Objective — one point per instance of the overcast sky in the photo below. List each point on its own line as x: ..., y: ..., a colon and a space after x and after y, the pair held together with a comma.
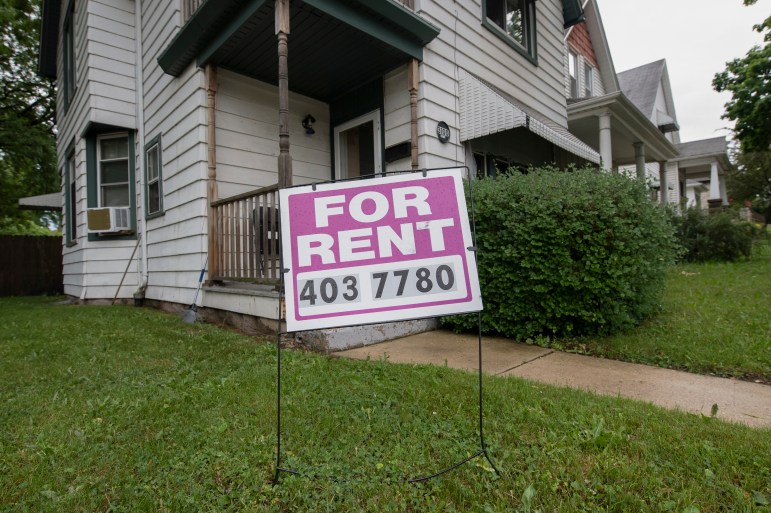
x: 696, y: 37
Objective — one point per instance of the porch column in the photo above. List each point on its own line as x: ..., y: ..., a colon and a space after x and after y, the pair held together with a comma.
x: 413, y: 79
x: 639, y: 160
x: 606, y: 151
x: 723, y: 193
x: 715, y: 201
x: 282, y: 31
x: 212, y: 191
x: 663, y: 182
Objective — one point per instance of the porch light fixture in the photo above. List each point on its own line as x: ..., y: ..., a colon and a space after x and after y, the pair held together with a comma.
x: 308, y: 124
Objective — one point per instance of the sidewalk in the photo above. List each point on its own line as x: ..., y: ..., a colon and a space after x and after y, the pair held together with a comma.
x: 737, y: 401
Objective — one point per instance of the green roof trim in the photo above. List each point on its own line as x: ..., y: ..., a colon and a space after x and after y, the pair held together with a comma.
x: 195, y: 34
x: 572, y: 13
x: 228, y: 31
x: 216, y: 21
x: 49, y: 37
x: 370, y: 25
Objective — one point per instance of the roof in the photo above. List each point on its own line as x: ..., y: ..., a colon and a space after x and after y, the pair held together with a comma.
x: 51, y: 201
x: 703, y: 148
x: 641, y: 85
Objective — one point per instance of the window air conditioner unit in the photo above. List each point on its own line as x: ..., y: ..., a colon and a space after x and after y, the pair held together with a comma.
x: 108, y: 219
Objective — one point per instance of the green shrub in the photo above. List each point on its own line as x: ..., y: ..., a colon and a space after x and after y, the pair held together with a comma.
x: 567, y: 253
x: 712, y: 237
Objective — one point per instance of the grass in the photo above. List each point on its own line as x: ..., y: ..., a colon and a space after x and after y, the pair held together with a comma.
x: 715, y: 319
x: 128, y: 409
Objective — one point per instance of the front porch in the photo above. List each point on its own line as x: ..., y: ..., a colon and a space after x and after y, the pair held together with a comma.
x: 342, y: 53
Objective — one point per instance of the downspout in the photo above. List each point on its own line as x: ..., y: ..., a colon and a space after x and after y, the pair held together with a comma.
x: 140, y: 114
x: 212, y: 191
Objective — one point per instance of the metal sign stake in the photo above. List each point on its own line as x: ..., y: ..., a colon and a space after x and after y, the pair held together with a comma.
x: 482, y: 445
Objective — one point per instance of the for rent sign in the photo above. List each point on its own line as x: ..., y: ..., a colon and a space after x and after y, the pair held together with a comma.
x: 378, y: 250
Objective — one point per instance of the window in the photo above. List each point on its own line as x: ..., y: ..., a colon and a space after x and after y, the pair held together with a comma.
x: 110, y: 178
x: 514, y: 22
x: 489, y: 165
x: 113, y: 170
x: 153, y: 178
x: 68, y: 57
x: 573, y: 73
x: 71, y: 200
x: 588, y: 81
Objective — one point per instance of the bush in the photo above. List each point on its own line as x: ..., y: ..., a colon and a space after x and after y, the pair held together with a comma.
x: 712, y: 237
x: 567, y: 253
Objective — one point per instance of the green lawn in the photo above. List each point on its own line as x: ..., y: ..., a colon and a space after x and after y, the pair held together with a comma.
x: 716, y: 319
x: 129, y: 409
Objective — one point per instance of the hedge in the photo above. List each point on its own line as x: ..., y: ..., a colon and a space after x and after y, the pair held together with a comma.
x: 567, y: 253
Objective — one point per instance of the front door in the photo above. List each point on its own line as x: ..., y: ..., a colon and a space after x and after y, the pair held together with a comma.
x: 358, y: 151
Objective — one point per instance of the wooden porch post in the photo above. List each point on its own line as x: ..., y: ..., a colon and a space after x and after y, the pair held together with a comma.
x: 211, y: 178
x: 413, y: 79
x: 282, y: 31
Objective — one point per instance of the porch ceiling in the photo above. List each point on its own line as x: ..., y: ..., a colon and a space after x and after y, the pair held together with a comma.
x: 334, y: 45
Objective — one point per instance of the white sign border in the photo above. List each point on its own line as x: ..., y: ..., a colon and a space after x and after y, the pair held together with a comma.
x: 418, y: 312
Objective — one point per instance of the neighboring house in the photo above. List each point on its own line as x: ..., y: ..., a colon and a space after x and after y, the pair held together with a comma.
x: 176, y: 124
x: 702, y: 165
x: 699, y: 165
x: 630, y: 119
x: 599, y: 112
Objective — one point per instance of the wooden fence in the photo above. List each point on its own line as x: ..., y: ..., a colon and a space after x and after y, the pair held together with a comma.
x: 30, y: 265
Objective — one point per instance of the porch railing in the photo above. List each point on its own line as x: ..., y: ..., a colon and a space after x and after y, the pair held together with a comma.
x: 189, y: 7
x: 247, y: 237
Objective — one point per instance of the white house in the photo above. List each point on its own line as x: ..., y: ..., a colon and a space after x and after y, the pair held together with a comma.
x: 178, y: 120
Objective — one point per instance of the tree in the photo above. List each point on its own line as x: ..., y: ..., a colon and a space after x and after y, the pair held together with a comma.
x: 27, y: 113
x: 750, y: 181
x: 749, y: 81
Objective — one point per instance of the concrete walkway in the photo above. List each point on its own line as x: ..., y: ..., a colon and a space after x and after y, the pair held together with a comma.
x: 737, y: 401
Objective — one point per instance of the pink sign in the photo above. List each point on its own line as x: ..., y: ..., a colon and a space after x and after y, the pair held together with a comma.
x: 377, y: 250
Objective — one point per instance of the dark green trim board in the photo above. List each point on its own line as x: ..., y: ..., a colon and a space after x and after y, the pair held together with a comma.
x: 92, y: 192
x: 572, y: 13
x: 49, y: 37
x: 217, y: 21
x: 372, y: 26
x: 228, y: 31
x: 70, y: 201
x: 68, y: 82
x: 404, y: 17
x: 155, y: 141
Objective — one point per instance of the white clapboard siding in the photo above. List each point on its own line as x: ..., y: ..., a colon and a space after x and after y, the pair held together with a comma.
x: 104, y: 93
x: 247, y: 136
x: 175, y: 110
x: 396, y: 108
x: 111, y: 35
x: 464, y: 43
